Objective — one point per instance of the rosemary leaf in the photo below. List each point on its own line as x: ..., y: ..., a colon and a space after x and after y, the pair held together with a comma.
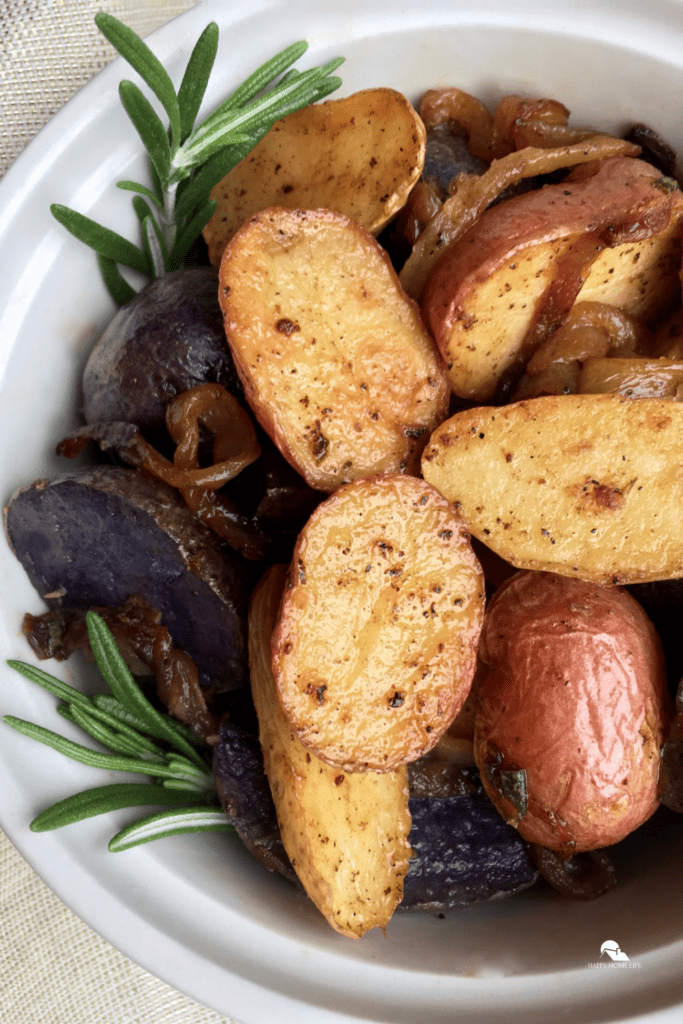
x: 135, y: 186
x: 201, y: 183
x: 85, y: 755
x: 115, y: 283
x: 118, y: 742
x: 101, y: 800
x: 170, y: 823
x: 196, y: 78
x: 63, y: 691
x: 142, y: 210
x: 217, y: 128
x: 149, y: 127
x: 263, y: 76
x: 102, y: 240
x: 123, y: 686
x: 97, y: 730
x: 187, y: 768
x: 154, y: 246
x: 142, y: 60
x: 188, y: 234
x: 107, y: 703
x: 186, y: 785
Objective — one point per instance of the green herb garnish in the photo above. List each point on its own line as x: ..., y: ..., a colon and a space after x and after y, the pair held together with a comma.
x: 187, y: 161
x: 127, y: 724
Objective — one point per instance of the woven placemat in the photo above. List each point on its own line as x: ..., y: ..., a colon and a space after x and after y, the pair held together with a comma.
x: 53, y: 968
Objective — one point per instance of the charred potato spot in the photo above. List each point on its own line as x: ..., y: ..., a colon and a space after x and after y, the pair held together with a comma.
x: 334, y: 359
x: 375, y: 649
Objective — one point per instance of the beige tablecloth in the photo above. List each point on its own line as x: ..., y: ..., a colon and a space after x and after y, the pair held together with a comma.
x: 53, y: 968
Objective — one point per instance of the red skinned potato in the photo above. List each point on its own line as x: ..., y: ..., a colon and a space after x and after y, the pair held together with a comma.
x: 501, y: 288
x: 375, y: 645
x: 572, y: 712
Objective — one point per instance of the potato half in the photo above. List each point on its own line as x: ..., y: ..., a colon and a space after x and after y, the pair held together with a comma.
x: 346, y: 835
x: 360, y: 156
x: 589, y: 486
x: 497, y: 293
x: 334, y: 358
x: 376, y: 642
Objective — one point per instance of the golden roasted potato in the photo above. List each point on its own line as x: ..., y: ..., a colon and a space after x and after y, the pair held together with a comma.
x: 376, y: 641
x: 346, y: 835
x: 572, y: 711
x: 581, y: 485
x: 497, y: 293
x: 359, y: 156
x: 334, y: 358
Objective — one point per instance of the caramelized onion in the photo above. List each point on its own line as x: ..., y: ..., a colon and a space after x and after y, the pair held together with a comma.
x: 235, y: 446
x: 584, y: 876
x: 475, y: 192
x: 146, y: 647
x: 541, y: 123
x: 633, y: 378
x: 592, y: 329
x: 670, y: 784
x: 456, y: 107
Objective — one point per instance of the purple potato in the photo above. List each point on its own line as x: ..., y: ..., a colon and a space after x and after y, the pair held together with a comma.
x: 463, y: 852
x: 166, y: 340
x: 245, y: 796
x: 100, y: 535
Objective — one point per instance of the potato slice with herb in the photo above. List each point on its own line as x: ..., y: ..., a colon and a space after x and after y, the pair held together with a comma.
x: 588, y: 486
x: 376, y: 642
x: 346, y: 835
x: 360, y: 156
x: 334, y: 358
x: 498, y: 292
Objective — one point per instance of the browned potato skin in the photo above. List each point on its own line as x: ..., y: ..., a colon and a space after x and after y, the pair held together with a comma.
x: 356, y: 880
x: 360, y: 155
x: 588, y: 486
x: 499, y: 290
x: 375, y: 646
x: 576, y: 697
x: 333, y: 356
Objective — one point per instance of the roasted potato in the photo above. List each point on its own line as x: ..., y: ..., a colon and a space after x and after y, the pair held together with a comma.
x: 588, y: 486
x: 99, y: 535
x: 376, y: 640
x: 360, y: 156
x: 167, y: 339
x: 346, y: 835
x: 334, y: 358
x: 572, y: 712
x: 496, y: 294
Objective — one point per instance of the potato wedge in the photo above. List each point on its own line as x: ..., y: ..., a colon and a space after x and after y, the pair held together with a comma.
x: 588, y: 486
x: 360, y: 156
x: 498, y: 292
x: 376, y: 641
x: 346, y: 835
x: 334, y: 358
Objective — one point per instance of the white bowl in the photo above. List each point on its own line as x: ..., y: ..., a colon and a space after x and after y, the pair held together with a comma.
x: 198, y: 911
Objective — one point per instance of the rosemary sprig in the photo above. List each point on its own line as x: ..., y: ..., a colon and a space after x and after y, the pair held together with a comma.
x: 127, y: 724
x: 186, y: 161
